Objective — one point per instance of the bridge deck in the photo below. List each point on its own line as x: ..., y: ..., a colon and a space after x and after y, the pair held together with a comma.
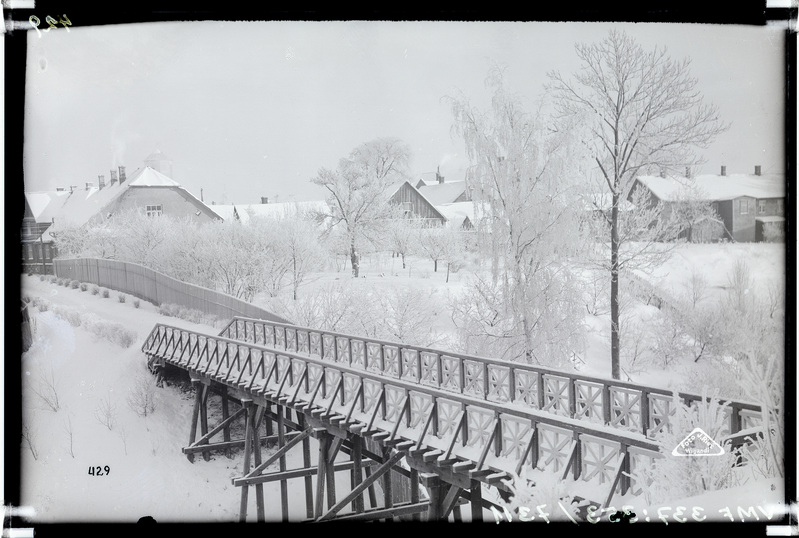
x: 466, y: 418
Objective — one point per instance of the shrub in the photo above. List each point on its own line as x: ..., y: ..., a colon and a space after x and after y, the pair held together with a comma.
x: 42, y: 307
x: 84, y: 286
x: 52, y: 279
x: 106, y: 294
x: 121, y: 297
x: 136, y: 303
x: 41, y: 278
x: 95, y: 290
x: 141, y: 398
x: 74, y: 284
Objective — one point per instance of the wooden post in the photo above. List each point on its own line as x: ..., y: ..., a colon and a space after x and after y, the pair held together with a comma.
x: 331, y: 478
x: 415, y: 493
x: 247, y: 450
x: 198, y: 396
x: 321, y: 474
x: 256, y: 448
x: 225, y: 415
x: 204, y: 418
x: 281, y: 439
x: 388, y: 493
x: 357, y: 476
x: 434, y: 491
x: 268, y: 421
x: 606, y: 403
x: 644, y: 411
x: 476, y: 501
x: 306, y: 462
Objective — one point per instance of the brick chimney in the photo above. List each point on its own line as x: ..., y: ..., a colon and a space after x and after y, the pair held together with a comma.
x: 122, y: 175
x: 73, y: 188
x: 264, y: 199
x: 89, y: 184
x: 113, y: 177
x: 757, y: 170
x: 100, y: 181
x: 439, y: 177
x: 723, y: 170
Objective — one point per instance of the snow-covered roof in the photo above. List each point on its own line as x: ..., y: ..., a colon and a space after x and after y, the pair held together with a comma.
x: 270, y: 210
x: 443, y: 193
x: 149, y: 177
x: 76, y: 208
x: 44, y: 205
x: 457, y: 213
x: 713, y: 187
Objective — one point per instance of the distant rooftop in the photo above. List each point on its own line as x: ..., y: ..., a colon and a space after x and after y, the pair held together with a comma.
x: 716, y: 187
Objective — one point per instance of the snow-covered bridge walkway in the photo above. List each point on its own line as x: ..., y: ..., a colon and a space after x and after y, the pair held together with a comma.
x: 459, y: 423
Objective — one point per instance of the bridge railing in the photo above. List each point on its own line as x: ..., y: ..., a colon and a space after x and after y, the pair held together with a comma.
x: 483, y: 438
x: 625, y: 406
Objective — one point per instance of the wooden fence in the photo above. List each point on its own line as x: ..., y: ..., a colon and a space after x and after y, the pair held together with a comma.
x: 150, y: 285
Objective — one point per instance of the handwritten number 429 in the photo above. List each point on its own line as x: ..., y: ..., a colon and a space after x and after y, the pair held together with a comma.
x: 99, y: 471
x: 35, y: 22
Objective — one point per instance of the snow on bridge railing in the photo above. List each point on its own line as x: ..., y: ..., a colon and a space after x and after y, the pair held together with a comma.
x: 622, y: 405
x: 483, y: 439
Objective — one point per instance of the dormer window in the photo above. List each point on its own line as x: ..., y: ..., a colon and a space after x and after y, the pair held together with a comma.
x: 154, y: 210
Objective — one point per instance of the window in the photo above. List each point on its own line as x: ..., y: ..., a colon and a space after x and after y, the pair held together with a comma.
x: 154, y: 210
x: 743, y: 207
x: 407, y: 207
x: 761, y: 207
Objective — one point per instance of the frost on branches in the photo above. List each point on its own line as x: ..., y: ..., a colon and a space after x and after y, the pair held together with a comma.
x: 529, y: 309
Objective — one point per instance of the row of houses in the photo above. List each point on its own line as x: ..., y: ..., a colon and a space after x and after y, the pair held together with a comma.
x: 151, y: 189
x: 749, y: 207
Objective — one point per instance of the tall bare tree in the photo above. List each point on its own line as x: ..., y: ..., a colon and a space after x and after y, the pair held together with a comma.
x: 521, y: 174
x: 359, y: 187
x: 640, y: 111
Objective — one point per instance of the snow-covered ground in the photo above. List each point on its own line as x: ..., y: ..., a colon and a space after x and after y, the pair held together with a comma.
x: 148, y: 473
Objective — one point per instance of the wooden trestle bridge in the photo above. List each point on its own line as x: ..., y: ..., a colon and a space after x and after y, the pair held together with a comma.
x: 454, y: 424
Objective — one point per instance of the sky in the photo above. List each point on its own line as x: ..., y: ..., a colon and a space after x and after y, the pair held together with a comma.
x: 252, y: 109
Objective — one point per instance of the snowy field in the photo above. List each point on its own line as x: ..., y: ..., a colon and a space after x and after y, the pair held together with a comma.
x: 148, y: 473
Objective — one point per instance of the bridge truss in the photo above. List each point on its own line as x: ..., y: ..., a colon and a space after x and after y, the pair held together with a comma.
x: 454, y: 424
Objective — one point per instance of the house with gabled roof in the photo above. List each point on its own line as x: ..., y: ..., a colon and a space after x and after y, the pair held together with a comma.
x: 147, y: 189
x: 414, y: 203
x: 750, y: 207
x: 443, y: 192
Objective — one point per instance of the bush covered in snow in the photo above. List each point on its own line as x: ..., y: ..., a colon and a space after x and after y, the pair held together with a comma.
x: 675, y: 477
x: 141, y: 395
x: 84, y: 286
x: 106, y: 294
x: 95, y: 290
x: 121, y: 297
x: 190, y: 314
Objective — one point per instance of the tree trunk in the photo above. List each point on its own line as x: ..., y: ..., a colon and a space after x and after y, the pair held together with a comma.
x: 615, y: 343
x: 447, y: 271
x: 403, y: 260
x: 354, y: 258
x: 435, y: 266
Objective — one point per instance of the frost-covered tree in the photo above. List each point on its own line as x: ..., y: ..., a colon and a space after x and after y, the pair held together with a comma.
x: 400, y: 232
x: 524, y: 190
x: 359, y: 188
x: 638, y: 111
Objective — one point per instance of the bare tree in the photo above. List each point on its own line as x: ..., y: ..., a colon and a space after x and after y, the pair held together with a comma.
x: 46, y: 388
x: 105, y: 412
x: 520, y: 174
x: 29, y: 438
x: 359, y: 187
x: 70, y: 435
x: 638, y: 112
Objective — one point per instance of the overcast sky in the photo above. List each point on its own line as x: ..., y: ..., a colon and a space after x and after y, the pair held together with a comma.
x: 246, y: 110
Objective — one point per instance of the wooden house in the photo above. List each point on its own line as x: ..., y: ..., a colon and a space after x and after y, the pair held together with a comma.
x: 750, y: 207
